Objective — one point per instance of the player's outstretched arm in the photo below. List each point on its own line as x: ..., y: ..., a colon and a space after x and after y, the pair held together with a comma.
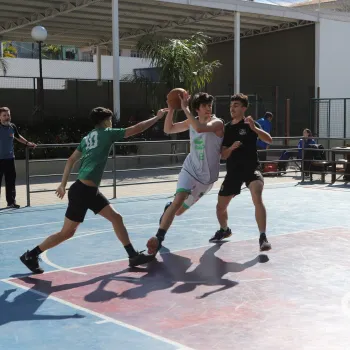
x: 142, y: 126
x: 173, y: 128
x: 61, y: 189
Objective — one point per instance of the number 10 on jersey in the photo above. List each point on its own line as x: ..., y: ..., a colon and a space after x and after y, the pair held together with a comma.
x: 91, y: 140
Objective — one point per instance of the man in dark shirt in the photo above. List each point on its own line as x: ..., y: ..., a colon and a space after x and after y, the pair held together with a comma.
x: 9, y: 132
x: 242, y: 165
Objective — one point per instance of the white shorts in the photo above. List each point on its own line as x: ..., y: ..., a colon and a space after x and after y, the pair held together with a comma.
x: 196, y: 190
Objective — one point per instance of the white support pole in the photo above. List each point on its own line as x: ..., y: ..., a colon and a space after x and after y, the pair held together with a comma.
x: 98, y: 65
x: 237, y: 53
x: 317, y: 56
x: 116, y: 72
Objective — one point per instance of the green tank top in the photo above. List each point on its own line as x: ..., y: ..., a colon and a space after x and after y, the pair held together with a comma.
x: 95, y: 147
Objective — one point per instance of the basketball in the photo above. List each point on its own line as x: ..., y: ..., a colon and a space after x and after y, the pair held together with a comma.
x: 152, y: 245
x: 173, y: 98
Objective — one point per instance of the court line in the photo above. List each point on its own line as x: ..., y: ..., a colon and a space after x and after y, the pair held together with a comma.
x: 209, y: 283
x: 102, y: 322
x: 61, y: 268
x: 129, y: 215
x: 95, y: 232
x: 89, y: 219
x: 101, y: 316
x: 176, y: 251
x: 58, y: 267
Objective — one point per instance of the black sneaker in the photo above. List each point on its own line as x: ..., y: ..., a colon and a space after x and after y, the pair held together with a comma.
x: 32, y: 263
x: 14, y: 206
x: 140, y: 259
x: 264, y: 243
x: 220, y: 235
x: 165, y: 208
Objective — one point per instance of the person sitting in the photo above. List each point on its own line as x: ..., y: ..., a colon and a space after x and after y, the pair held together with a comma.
x: 307, y: 140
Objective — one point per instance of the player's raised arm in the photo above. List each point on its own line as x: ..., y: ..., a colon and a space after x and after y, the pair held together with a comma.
x: 144, y: 125
x: 173, y: 128
x: 215, y: 125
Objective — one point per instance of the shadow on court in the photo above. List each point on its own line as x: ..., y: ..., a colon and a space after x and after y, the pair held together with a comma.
x: 25, y: 305
x: 158, y: 276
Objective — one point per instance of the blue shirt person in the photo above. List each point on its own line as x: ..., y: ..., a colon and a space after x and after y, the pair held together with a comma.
x: 266, y: 125
x: 307, y: 139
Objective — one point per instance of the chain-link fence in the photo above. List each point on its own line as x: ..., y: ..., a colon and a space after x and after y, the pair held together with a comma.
x: 330, y: 118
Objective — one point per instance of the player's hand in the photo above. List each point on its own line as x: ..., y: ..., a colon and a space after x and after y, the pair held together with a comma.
x: 250, y: 121
x: 185, y: 100
x: 235, y: 145
x: 31, y: 144
x: 161, y: 113
x: 61, y: 191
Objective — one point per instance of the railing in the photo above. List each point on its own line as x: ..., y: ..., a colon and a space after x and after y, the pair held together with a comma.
x: 173, y: 155
x: 309, y: 166
x: 281, y: 142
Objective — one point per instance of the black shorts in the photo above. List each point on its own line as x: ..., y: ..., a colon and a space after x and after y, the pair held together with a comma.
x: 81, y: 198
x: 233, y: 182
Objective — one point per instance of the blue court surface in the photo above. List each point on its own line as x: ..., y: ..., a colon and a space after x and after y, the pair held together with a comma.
x: 196, y: 295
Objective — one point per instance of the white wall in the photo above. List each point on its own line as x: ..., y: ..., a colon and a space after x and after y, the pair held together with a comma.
x: 23, y: 67
x: 333, y: 68
x: 332, y: 75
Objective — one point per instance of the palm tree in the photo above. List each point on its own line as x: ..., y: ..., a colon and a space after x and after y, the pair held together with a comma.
x: 181, y: 62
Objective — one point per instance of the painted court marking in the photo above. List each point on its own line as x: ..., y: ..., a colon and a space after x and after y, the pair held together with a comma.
x: 89, y: 219
x: 102, y: 322
x: 174, y: 251
x: 82, y: 234
x: 71, y: 270
x: 58, y: 267
x: 205, y: 282
x: 101, y: 316
x: 215, y: 191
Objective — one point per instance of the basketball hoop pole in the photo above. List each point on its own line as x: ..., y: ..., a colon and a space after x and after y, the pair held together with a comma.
x: 116, y: 69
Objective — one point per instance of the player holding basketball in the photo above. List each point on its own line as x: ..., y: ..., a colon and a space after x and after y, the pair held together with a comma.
x: 84, y: 193
x: 239, y: 149
x: 201, y: 167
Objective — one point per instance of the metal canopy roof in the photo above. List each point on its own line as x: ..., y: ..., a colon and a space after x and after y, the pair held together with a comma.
x: 89, y: 22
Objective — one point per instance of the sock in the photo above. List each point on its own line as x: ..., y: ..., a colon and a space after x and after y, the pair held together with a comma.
x: 130, y: 250
x: 224, y: 228
x: 161, y: 235
x: 262, y: 237
x: 35, y: 252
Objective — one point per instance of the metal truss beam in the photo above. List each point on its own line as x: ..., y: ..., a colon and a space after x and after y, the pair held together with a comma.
x: 165, y: 26
x: 263, y: 30
x: 48, y: 13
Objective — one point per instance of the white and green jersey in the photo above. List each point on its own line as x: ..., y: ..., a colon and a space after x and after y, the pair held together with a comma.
x: 203, y: 161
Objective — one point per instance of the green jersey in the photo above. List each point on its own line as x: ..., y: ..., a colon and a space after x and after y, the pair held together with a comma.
x: 95, y: 148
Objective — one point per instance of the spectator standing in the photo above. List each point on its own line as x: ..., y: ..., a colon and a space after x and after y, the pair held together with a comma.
x: 9, y: 132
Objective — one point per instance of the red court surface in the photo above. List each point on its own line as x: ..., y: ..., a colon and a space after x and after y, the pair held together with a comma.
x: 226, y: 296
